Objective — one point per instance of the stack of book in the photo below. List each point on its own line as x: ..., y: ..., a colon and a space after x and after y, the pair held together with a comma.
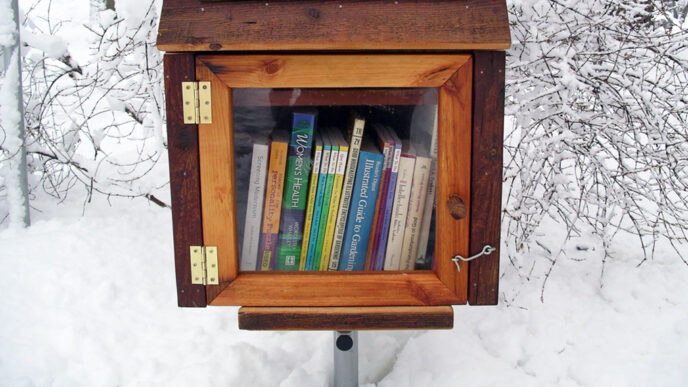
x: 319, y: 201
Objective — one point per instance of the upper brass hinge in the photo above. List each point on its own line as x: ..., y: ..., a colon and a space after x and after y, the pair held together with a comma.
x: 204, y: 269
x: 197, y: 103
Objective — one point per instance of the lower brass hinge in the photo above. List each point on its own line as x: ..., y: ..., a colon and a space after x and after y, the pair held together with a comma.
x: 204, y: 269
x: 197, y: 103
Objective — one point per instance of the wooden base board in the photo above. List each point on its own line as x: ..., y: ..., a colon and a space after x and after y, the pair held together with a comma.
x: 346, y: 318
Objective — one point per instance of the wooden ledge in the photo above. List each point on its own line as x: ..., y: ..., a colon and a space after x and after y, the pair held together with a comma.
x: 345, y: 318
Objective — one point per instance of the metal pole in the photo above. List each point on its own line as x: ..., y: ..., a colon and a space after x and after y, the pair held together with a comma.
x: 346, y: 359
x: 13, y: 54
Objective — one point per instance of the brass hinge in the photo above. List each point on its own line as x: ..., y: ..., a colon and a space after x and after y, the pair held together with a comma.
x: 204, y: 269
x: 197, y: 103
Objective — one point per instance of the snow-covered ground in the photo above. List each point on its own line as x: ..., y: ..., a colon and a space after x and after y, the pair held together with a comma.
x: 90, y: 301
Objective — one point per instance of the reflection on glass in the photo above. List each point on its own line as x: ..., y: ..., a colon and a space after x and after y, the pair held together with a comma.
x: 335, y: 179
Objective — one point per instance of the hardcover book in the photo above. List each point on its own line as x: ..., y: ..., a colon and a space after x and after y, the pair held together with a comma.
x: 254, y: 207
x: 365, y: 190
x: 310, y: 203
x: 295, y: 191
x: 355, y: 140
x: 399, y: 211
x: 319, y: 196
x: 273, y: 200
x: 334, y: 200
x: 389, y: 201
x: 327, y: 195
x: 419, y: 190
x: 385, y: 143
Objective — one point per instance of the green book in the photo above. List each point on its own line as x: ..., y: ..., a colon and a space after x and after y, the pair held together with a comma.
x: 295, y: 192
x: 327, y: 195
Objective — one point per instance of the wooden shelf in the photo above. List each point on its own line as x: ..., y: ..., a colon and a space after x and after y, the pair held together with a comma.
x: 346, y: 318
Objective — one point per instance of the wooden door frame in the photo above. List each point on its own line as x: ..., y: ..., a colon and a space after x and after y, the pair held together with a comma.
x: 451, y: 73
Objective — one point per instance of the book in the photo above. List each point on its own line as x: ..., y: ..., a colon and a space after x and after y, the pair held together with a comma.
x: 416, y: 206
x: 389, y: 201
x: 310, y: 204
x: 327, y: 195
x: 355, y: 139
x: 365, y: 193
x: 334, y: 200
x: 387, y: 146
x: 254, y: 207
x: 399, y: 211
x: 272, y: 207
x: 319, y: 196
x: 295, y: 191
x: 430, y: 200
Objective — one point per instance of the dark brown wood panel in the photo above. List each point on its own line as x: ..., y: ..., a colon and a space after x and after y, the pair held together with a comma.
x: 185, y: 187
x: 337, y: 289
x: 193, y: 25
x: 486, y: 175
x: 346, y: 318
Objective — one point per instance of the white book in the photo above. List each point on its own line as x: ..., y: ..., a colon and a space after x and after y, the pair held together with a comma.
x: 414, y: 217
x: 430, y: 200
x: 254, y: 207
x: 402, y: 195
x: 345, y: 200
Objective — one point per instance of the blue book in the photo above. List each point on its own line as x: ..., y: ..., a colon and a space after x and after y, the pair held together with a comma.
x: 384, y: 233
x: 320, y: 193
x: 360, y: 219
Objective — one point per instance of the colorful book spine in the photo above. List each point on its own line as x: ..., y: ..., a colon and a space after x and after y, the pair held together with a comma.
x: 320, y: 195
x: 295, y: 192
x: 310, y: 206
x: 399, y: 211
x: 430, y: 200
x: 334, y: 200
x: 419, y: 190
x: 389, y: 202
x: 273, y: 203
x: 365, y: 190
x: 254, y: 207
x: 332, y: 168
x: 387, y: 147
x: 354, y: 150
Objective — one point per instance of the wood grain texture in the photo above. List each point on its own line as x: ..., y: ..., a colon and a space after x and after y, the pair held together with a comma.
x: 337, y: 289
x: 454, y: 177
x: 192, y: 25
x: 346, y: 318
x: 336, y: 70
x: 182, y: 142
x: 216, y: 144
x: 486, y: 176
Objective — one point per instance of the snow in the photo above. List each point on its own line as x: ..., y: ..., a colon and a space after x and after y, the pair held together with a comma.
x: 88, y: 292
x: 91, y: 301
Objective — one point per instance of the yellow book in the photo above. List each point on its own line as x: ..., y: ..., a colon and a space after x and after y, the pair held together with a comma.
x: 273, y: 200
x: 334, y: 201
x: 310, y: 207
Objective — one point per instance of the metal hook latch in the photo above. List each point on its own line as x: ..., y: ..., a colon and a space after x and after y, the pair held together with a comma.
x: 487, y: 250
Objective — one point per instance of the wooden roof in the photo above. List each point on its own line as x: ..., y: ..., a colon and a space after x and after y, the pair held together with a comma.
x: 194, y: 25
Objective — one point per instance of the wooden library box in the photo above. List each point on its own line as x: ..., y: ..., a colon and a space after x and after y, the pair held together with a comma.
x: 336, y: 164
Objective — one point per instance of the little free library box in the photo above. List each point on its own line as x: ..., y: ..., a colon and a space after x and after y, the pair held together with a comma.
x: 336, y: 164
